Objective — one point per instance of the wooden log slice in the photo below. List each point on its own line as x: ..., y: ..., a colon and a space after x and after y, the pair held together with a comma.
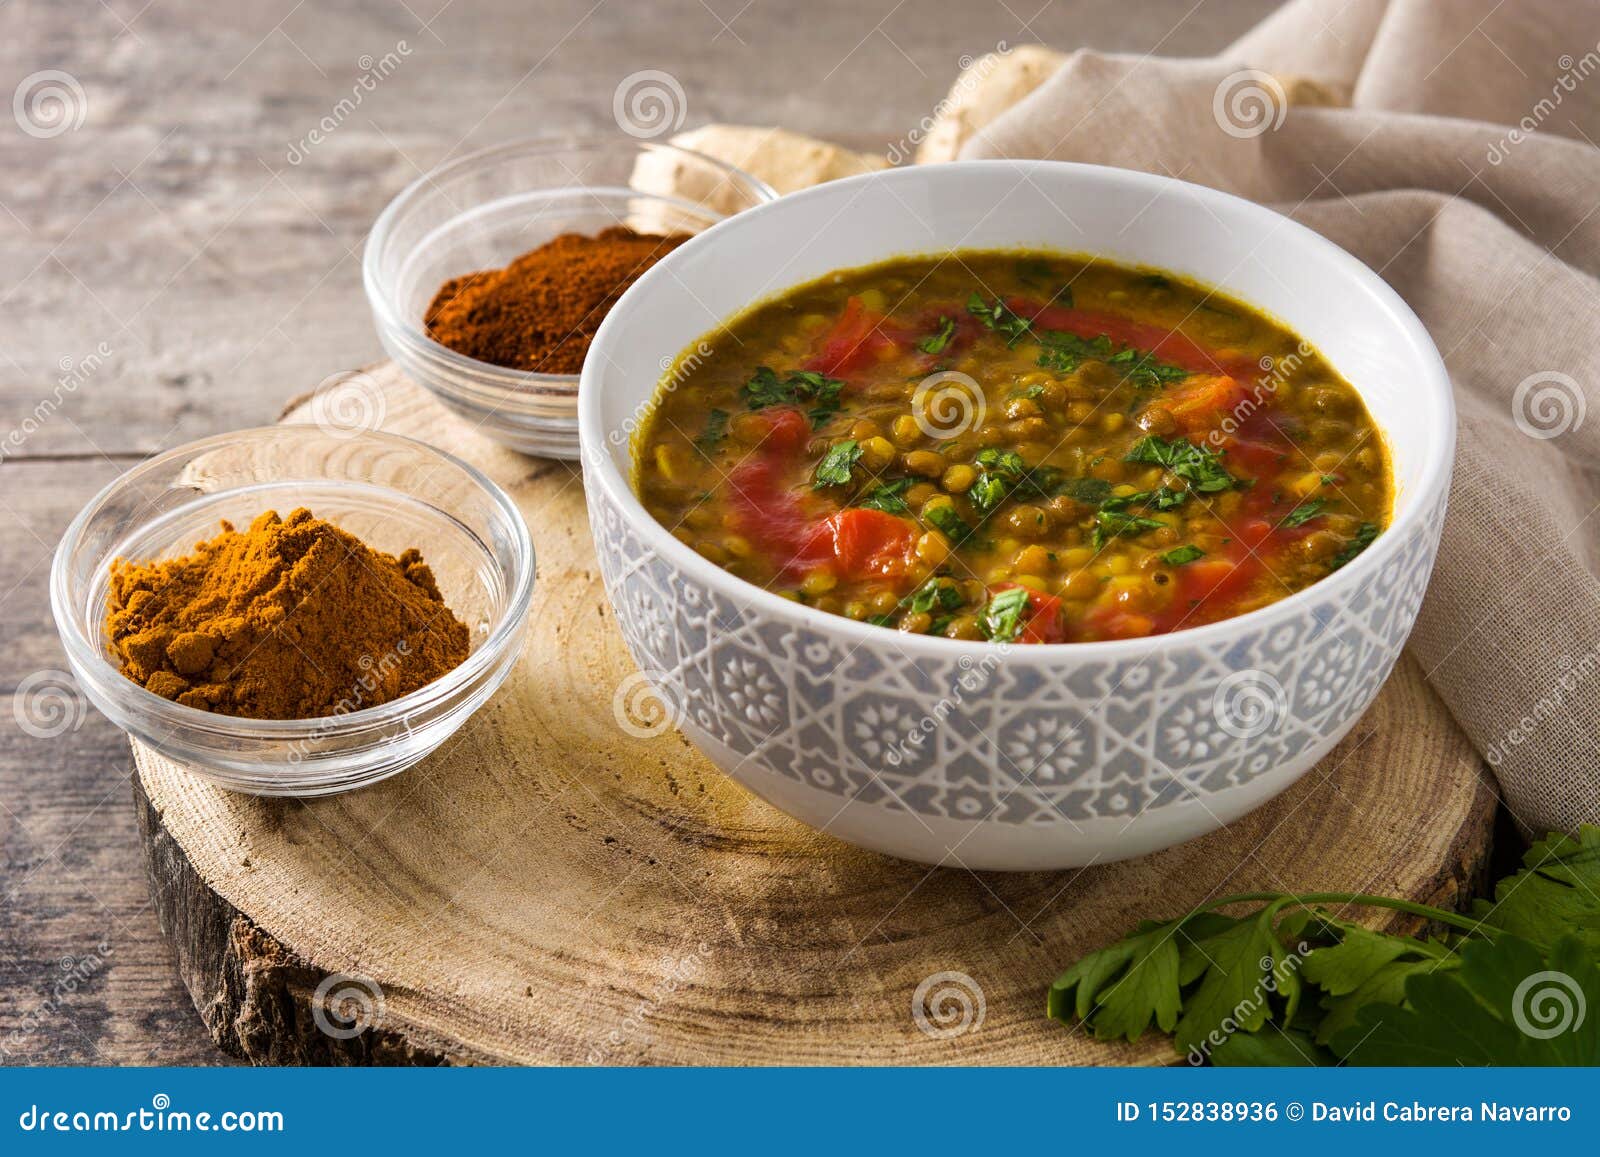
x: 548, y: 888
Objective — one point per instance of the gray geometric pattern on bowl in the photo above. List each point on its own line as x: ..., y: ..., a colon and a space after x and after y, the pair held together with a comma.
x: 1034, y: 742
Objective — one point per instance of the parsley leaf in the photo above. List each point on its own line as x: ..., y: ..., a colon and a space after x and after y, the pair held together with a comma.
x: 1125, y: 986
x: 1557, y: 888
x: 988, y: 492
x: 834, y: 469
x: 1065, y: 352
x: 1089, y: 491
x: 1477, y: 1014
x: 999, y: 318
x: 1161, y: 498
x: 1363, y: 539
x: 1200, y: 466
x: 1109, y: 524
x: 765, y: 389
x: 1144, y: 369
x: 1286, y: 982
x: 950, y: 524
x: 1003, y: 617
x: 1305, y: 512
x: 935, y: 343
x: 1182, y: 555
x: 888, y: 497
x: 716, y: 429
x: 936, y: 593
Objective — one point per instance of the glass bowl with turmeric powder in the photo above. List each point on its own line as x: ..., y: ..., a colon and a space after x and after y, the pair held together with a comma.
x: 489, y: 275
x: 294, y: 610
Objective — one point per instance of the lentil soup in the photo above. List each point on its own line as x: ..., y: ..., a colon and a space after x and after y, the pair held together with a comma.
x: 1015, y: 446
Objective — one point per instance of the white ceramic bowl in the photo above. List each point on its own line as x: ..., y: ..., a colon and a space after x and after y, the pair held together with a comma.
x: 1021, y: 757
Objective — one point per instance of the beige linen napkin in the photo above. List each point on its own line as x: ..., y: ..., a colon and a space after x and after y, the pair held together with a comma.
x: 1465, y: 171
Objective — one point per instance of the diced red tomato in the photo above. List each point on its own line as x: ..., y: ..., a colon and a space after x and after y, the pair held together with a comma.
x: 1123, y: 625
x: 766, y: 508
x: 856, y: 339
x: 865, y: 543
x: 788, y: 430
x: 1202, y: 402
x: 1208, y: 587
x: 854, y: 543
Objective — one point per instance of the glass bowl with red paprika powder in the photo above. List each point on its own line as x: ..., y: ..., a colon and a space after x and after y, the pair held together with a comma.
x: 488, y: 276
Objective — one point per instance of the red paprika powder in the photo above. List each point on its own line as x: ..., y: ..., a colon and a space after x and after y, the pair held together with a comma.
x: 541, y: 312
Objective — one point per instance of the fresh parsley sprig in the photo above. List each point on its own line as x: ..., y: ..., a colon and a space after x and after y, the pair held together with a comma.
x: 1288, y: 982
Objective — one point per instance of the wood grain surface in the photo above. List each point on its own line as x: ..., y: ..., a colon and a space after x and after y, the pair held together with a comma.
x: 171, y: 226
x: 549, y: 888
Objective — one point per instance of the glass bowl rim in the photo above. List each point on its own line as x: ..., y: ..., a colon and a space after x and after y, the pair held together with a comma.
x: 487, y: 373
x: 86, y: 656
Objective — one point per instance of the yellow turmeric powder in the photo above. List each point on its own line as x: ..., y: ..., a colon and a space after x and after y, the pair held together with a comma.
x: 290, y: 619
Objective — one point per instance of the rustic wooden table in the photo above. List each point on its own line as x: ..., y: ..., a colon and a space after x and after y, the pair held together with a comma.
x: 180, y: 258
